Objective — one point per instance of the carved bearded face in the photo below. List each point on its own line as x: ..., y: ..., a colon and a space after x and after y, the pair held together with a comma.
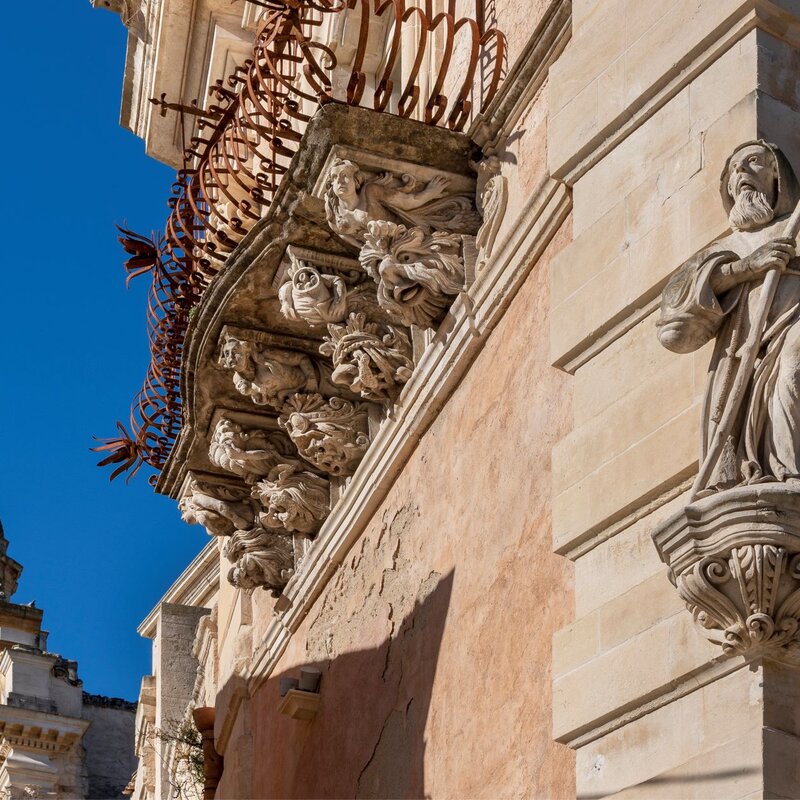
x: 235, y: 355
x: 753, y: 185
x: 417, y: 273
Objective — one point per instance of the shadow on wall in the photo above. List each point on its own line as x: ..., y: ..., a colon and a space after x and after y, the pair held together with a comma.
x: 368, y: 738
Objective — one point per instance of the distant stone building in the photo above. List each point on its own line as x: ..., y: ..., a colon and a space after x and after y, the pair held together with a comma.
x: 55, y: 740
x: 475, y: 532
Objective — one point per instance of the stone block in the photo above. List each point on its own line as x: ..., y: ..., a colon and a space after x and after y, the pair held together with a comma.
x: 641, y: 154
x: 659, y: 462
x: 587, y: 254
x: 732, y: 770
x: 633, y: 675
x: 631, y: 419
x: 671, y: 735
x: 621, y: 562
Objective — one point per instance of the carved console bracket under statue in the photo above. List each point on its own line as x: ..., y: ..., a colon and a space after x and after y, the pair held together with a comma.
x: 734, y: 551
x: 734, y: 558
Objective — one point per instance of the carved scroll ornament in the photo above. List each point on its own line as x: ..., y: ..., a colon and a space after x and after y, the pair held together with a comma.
x: 330, y: 434
x: 492, y: 199
x: 734, y: 557
x: 369, y: 359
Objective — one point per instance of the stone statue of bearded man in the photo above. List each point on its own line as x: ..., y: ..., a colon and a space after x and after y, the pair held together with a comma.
x: 716, y: 293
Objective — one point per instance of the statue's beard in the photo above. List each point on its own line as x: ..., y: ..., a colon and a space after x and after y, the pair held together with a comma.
x: 751, y: 210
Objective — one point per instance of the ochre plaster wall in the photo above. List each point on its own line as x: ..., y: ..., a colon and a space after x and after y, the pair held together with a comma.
x: 434, y: 637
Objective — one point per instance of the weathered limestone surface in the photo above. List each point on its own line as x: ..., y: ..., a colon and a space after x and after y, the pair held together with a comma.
x: 110, y: 759
x: 646, y: 104
x: 418, y: 615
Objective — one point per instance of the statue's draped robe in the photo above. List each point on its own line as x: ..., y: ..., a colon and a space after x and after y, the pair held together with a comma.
x: 764, y: 442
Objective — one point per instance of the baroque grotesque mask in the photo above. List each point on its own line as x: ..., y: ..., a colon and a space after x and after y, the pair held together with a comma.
x: 293, y: 500
x: 418, y: 274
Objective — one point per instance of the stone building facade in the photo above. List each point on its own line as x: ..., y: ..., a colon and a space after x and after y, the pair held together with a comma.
x: 55, y: 739
x: 484, y: 385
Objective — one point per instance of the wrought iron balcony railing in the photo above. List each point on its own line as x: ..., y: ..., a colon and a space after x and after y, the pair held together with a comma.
x: 243, y: 143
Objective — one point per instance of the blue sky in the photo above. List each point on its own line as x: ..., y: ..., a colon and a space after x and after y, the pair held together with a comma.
x: 97, y: 555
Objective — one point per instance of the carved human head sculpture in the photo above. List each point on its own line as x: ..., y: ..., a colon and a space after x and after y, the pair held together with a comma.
x: 236, y: 354
x: 344, y: 180
x: 757, y: 185
x: 417, y: 273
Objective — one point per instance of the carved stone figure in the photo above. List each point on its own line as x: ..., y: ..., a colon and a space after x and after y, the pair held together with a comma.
x: 492, y: 199
x: 269, y: 375
x: 734, y: 551
x: 418, y: 274
x: 293, y: 500
x: 312, y: 296
x: 248, y: 452
x: 353, y: 199
x: 331, y: 435
x: 221, y: 510
x: 720, y: 293
x: 369, y: 359
x: 260, y: 558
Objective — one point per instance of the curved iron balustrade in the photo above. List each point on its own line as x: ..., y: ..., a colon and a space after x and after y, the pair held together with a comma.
x: 245, y: 140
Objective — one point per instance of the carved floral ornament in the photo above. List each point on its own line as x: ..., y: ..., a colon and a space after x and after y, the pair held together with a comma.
x: 733, y: 551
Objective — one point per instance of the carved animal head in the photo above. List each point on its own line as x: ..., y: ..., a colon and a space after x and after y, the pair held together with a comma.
x: 293, y: 500
x: 417, y: 273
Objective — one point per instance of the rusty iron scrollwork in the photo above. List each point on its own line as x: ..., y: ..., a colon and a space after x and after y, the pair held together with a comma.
x: 245, y: 138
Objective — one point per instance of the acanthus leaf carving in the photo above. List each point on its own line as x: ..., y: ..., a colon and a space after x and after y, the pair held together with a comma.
x: 331, y: 434
x: 370, y: 359
x: 250, y: 453
x: 418, y: 274
x: 293, y: 500
x: 354, y: 198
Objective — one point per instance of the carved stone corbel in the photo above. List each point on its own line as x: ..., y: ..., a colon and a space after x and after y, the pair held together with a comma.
x: 319, y: 288
x: 369, y: 359
x: 293, y: 500
x: 220, y: 509
x: 418, y: 274
x: 250, y: 453
x: 355, y: 196
x: 734, y: 558
x: 330, y: 434
x: 260, y: 558
x: 269, y: 375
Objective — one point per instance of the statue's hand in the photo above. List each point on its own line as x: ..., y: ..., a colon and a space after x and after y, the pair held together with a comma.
x: 775, y: 254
